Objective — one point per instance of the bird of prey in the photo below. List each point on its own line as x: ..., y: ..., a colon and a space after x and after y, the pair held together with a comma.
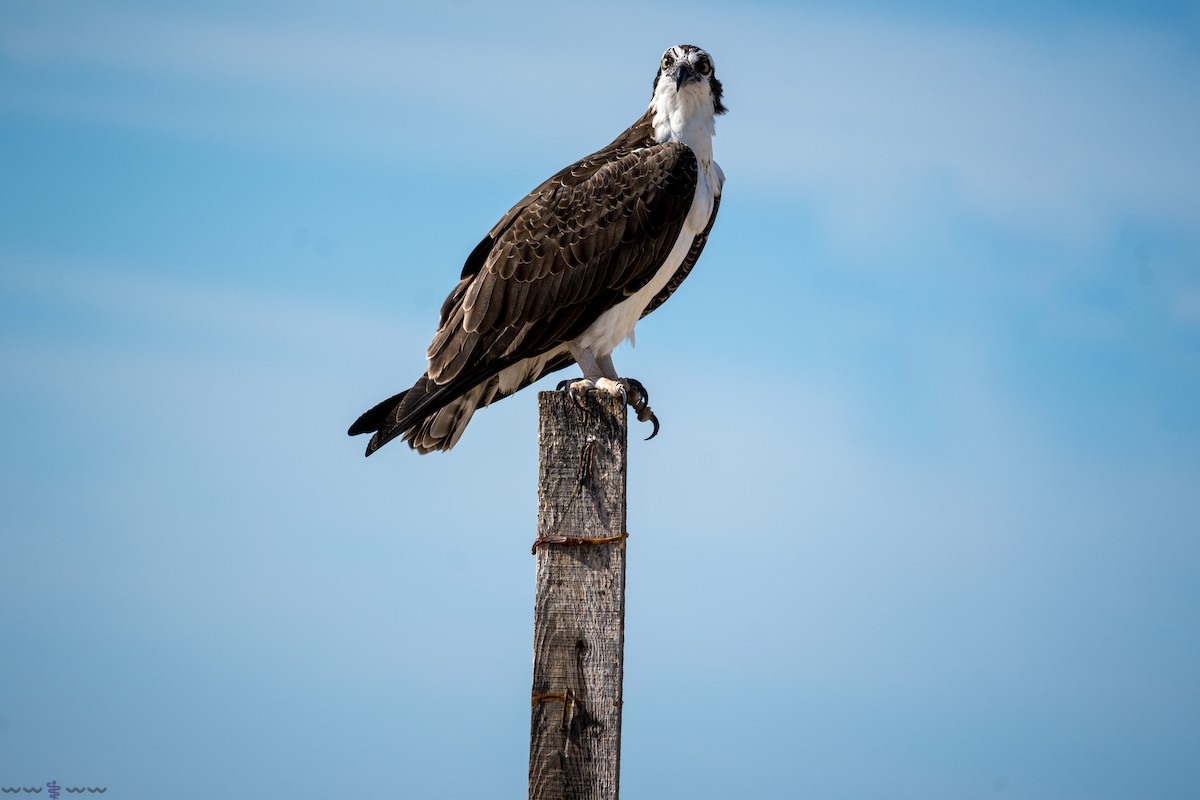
x: 565, y: 275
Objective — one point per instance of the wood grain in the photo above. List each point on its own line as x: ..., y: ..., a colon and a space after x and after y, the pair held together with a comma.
x: 579, y: 610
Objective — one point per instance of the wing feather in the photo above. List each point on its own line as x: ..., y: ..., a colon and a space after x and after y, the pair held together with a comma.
x: 688, y: 262
x: 577, y: 245
x: 575, y: 248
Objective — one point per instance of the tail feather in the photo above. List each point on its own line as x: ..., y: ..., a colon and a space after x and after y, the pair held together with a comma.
x: 373, y: 420
x: 411, y: 414
x: 421, y: 415
x: 432, y: 416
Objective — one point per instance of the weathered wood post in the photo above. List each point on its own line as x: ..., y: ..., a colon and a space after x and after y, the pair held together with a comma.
x: 579, y: 610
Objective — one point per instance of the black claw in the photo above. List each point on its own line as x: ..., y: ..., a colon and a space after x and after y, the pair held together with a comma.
x: 640, y: 401
x: 577, y: 398
x: 566, y: 385
x: 630, y: 386
x: 636, y: 384
x: 646, y: 415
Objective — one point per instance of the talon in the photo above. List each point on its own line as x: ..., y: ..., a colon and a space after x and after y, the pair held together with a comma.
x: 630, y: 390
x: 575, y: 388
x: 636, y: 384
x: 616, y: 388
x: 635, y: 394
x: 646, y: 415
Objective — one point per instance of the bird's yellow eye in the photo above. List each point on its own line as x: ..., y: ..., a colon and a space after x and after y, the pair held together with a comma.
x: 703, y: 66
x: 666, y: 61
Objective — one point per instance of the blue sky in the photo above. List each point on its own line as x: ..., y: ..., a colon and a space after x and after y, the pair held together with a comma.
x: 922, y: 519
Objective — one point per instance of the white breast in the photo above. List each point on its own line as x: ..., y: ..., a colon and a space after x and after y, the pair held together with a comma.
x: 616, y: 325
x: 677, y: 116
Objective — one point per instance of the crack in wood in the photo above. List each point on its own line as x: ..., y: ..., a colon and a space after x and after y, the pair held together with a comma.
x: 579, y: 609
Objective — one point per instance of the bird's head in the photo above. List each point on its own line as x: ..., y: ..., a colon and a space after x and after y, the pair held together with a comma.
x: 686, y: 71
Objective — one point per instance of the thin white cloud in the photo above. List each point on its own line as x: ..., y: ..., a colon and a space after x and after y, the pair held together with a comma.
x: 894, y: 128
x: 243, y: 51
x: 1054, y: 133
x: 221, y: 315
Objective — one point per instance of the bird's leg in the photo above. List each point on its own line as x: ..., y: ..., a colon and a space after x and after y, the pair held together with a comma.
x: 633, y: 391
x: 593, y: 376
x: 599, y: 374
x: 609, y: 381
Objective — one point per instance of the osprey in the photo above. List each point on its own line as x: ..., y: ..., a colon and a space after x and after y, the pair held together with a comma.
x: 565, y: 275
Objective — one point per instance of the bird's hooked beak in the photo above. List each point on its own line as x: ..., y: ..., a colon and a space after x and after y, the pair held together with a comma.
x: 682, y: 74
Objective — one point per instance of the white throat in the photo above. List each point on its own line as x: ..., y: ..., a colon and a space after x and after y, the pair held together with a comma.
x: 684, y: 116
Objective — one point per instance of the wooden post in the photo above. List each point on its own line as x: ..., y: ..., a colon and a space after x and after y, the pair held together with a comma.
x: 579, y: 610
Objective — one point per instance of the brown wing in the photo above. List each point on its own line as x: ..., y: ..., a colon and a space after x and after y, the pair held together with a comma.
x: 584, y: 240
x: 690, y: 261
x: 577, y: 247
